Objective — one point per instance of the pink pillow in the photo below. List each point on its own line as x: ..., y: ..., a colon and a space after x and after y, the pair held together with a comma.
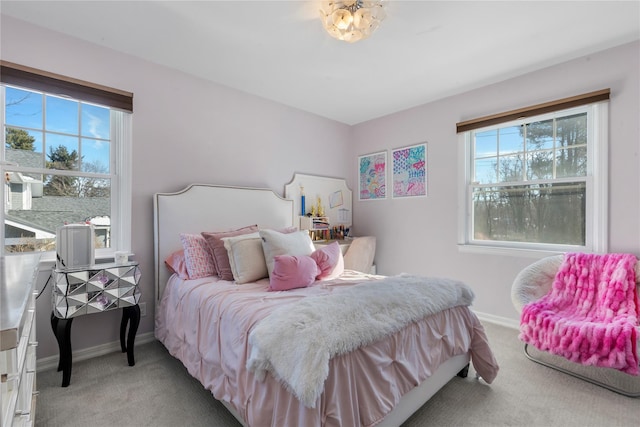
x: 329, y: 260
x: 219, y: 253
x: 197, y: 256
x: 291, y: 271
x: 176, y: 263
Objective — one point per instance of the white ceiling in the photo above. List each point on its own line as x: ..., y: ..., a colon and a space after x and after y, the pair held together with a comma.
x: 423, y: 51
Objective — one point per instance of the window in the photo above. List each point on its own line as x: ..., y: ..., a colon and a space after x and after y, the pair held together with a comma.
x: 537, y: 183
x: 64, y: 160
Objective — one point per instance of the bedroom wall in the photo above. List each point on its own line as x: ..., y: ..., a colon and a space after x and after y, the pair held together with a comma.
x: 189, y: 130
x: 184, y: 130
x: 419, y: 235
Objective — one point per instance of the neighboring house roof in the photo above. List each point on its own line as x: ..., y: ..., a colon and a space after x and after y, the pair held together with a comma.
x: 47, y: 213
x: 24, y: 158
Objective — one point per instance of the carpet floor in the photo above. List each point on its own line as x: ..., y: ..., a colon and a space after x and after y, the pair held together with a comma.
x: 158, y: 392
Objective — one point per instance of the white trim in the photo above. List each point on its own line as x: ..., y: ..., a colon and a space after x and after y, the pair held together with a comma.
x: 600, y: 187
x: 121, y: 224
x: 464, y: 168
x: 508, y: 251
x: 4, y: 191
x: 498, y: 320
x: 51, y: 362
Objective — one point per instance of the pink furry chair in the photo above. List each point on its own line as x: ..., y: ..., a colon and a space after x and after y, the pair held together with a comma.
x: 568, y: 317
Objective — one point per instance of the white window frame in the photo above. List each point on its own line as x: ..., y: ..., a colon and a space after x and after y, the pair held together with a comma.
x: 596, y: 227
x: 121, y: 182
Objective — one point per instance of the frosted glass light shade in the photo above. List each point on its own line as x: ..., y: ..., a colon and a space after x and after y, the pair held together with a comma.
x: 342, y: 18
x: 351, y: 20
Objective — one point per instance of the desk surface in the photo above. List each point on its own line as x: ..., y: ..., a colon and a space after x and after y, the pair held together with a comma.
x: 95, y: 267
x: 18, y: 272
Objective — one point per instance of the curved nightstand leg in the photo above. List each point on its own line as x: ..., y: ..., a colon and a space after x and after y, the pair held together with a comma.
x: 123, y: 329
x: 130, y: 315
x: 54, y: 327
x: 62, y: 331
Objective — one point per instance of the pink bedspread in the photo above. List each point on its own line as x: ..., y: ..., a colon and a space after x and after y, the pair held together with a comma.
x: 205, y: 323
x: 590, y: 315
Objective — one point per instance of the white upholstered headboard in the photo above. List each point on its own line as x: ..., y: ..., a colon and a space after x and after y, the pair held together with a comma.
x: 205, y: 207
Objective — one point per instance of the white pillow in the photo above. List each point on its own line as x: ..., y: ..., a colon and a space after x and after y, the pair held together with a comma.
x: 275, y: 243
x: 246, y: 257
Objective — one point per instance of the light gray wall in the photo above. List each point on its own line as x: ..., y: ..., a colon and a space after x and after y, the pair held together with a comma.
x: 420, y: 235
x: 188, y: 130
x: 184, y: 130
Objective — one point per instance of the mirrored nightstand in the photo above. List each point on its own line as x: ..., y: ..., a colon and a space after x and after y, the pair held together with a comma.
x: 94, y: 289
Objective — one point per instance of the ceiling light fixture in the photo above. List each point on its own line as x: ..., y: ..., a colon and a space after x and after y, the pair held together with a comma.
x: 352, y: 20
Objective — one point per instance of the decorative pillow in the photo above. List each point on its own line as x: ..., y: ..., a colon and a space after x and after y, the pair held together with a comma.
x: 275, y: 243
x: 219, y: 252
x: 329, y: 260
x: 246, y: 258
x: 290, y: 272
x: 197, y: 256
x: 176, y: 263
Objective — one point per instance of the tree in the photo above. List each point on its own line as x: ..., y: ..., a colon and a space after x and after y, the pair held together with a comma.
x: 556, y: 211
x: 93, y: 187
x: 19, y: 139
x: 61, y: 159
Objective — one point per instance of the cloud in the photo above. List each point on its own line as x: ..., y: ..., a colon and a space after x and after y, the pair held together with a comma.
x: 95, y: 125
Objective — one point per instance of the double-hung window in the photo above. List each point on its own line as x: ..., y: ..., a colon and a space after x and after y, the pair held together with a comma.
x: 65, y: 160
x: 536, y: 182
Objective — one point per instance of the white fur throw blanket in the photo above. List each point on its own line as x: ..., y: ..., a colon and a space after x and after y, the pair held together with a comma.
x: 295, y: 342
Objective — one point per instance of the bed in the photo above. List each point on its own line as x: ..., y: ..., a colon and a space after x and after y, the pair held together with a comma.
x: 211, y: 326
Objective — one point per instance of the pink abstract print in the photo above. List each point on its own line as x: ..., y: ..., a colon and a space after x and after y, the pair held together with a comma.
x: 372, y: 176
x: 410, y: 171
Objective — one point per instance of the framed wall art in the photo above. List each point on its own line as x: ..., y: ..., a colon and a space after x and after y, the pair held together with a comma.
x: 372, y: 176
x: 410, y: 171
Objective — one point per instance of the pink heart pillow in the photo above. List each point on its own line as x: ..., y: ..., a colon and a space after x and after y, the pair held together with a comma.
x: 329, y: 260
x: 291, y: 271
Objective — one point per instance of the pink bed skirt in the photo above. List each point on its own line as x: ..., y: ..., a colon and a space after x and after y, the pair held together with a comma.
x: 205, y: 325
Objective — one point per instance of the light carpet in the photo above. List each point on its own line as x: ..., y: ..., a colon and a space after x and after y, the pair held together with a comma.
x: 158, y: 392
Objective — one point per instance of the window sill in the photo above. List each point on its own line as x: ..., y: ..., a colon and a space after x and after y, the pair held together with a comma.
x: 507, y: 251
x: 48, y: 260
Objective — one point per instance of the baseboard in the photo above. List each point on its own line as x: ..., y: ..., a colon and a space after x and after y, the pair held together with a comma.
x: 498, y: 320
x: 51, y: 362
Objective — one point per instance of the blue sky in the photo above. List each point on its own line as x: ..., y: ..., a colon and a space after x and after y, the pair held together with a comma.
x: 507, y: 144
x: 78, y: 126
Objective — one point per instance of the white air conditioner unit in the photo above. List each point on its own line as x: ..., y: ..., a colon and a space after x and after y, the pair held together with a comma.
x: 75, y: 246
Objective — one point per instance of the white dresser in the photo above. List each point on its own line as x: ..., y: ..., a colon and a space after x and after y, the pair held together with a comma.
x: 18, y: 339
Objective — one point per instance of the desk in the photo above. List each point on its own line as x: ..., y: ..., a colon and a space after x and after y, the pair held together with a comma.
x: 94, y: 289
